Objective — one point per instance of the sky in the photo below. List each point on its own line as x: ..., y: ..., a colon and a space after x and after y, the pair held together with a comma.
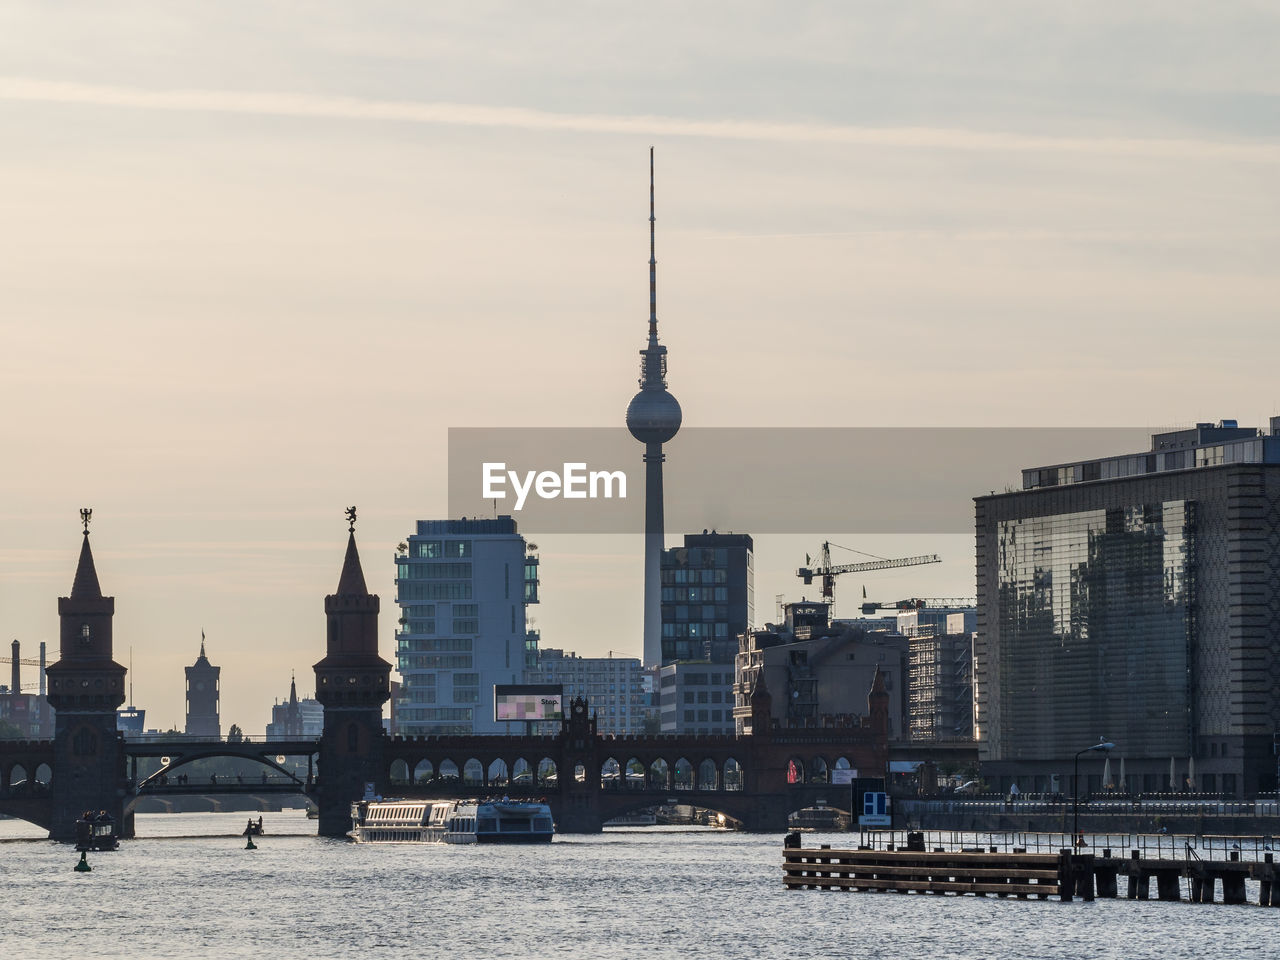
x: 256, y: 258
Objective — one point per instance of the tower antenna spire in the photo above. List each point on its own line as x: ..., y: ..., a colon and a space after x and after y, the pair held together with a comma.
x: 653, y: 264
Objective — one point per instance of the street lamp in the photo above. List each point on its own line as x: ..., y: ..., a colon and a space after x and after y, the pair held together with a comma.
x: 1075, y: 789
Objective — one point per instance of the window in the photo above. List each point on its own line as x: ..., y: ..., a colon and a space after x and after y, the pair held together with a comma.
x: 457, y: 548
x: 466, y: 625
x: 466, y: 609
x: 427, y: 549
x: 434, y: 591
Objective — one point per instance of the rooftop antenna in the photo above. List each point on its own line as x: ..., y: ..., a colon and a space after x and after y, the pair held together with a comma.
x: 653, y: 264
x: 130, y: 676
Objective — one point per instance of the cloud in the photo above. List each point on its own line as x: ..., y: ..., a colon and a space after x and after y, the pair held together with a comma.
x: 518, y: 118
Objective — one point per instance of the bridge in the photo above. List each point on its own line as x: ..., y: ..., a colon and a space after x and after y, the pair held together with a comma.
x: 756, y: 780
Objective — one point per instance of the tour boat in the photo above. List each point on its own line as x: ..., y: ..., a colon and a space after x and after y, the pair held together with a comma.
x: 451, y: 821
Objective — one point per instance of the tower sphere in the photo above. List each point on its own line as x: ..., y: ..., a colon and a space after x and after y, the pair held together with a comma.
x: 653, y: 416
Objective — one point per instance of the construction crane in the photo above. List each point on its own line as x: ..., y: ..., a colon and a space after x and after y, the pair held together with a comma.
x: 828, y: 572
x: 919, y: 603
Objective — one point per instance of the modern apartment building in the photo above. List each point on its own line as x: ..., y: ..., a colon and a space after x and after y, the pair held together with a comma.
x: 462, y: 587
x: 1135, y: 598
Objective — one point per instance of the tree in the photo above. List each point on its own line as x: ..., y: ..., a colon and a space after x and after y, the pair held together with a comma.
x: 235, y: 734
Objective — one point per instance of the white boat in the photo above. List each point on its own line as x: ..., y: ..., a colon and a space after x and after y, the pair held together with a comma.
x: 451, y: 821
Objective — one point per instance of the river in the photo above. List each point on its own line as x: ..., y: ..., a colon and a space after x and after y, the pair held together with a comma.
x: 188, y: 888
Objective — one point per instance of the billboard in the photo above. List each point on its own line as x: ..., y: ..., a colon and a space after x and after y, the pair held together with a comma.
x: 529, y: 702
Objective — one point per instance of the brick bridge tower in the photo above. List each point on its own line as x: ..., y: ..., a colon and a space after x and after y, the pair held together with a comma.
x: 352, y: 683
x: 86, y: 686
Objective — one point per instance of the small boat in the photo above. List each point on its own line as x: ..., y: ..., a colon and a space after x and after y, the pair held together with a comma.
x: 96, y: 832
x: 451, y: 821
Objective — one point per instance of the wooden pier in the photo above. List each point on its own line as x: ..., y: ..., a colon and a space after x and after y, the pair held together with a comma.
x: 1065, y: 875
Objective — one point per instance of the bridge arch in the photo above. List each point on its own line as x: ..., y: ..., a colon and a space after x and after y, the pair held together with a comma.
x: 708, y: 775
x: 682, y: 775
x: 18, y: 782
x: 473, y: 773
x: 659, y: 775
x: 523, y: 773
x: 611, y: 774
x: 733, y: 778
x: 166, y: 770
x: 548, y: 773
x: 499, y: 774
x: 423, y: 772
x: 399, y: 772
x: 448, y: 770
x: 633, y: 776
x: 818, y: 770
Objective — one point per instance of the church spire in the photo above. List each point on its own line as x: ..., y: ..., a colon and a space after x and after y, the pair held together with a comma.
x: 85, y: 586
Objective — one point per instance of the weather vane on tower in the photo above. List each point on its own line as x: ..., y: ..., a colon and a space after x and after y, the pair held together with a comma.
x: 86, y: 514
x: 351, y: 519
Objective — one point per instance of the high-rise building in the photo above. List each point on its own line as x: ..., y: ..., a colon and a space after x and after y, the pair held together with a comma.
x: 462, y: 587
x: 653, y: 417
x: 1135, y: 598
x: 612, y: 686
x: 708, y: 597
x: 203, y: 680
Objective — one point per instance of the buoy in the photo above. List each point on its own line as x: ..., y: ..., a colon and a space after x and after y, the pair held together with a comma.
x: 83, y: 865
x: 249, y: 844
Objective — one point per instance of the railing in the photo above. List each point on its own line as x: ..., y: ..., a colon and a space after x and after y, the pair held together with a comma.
x: 1150, y: 846
x: 1147, y: 804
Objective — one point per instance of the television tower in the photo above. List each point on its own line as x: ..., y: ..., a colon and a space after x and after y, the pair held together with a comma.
x: 653, y: 417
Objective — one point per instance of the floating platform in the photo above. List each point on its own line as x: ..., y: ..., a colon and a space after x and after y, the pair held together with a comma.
x: 1065, y: 875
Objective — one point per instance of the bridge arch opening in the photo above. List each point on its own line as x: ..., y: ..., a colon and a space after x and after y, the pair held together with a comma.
x: 842, y: 763
x: 399, y: 772
x: 795, y: 770
x: 18, y: 779
x: 44, y: 775
x: 548, y: 775
x: 682, y: 775
x: 708, y: 775
x: 634, y: 776
x: 473, y: 773
x: 610, y: 774
x: 523, y: 773
x: 448, y: 771
x: 732, y: 774
x: 659, y: 775
x: 818, y: 770
x: 580, y: 773
x: 424, y: 772
x: 498, y: 773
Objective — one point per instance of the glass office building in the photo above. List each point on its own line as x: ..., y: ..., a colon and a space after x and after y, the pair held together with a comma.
x: 1136, y: 599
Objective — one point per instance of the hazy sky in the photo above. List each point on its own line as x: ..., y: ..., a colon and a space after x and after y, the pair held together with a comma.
x: 256, y: 258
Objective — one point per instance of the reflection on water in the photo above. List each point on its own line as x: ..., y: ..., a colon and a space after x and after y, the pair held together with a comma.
x: 189, y: 888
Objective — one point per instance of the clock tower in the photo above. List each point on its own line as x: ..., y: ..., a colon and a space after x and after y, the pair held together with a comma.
x: 202, y: 697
